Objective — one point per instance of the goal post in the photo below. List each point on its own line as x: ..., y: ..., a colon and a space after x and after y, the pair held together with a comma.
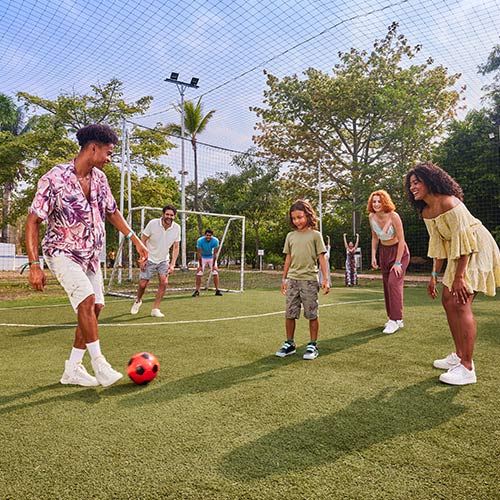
x: 228, y: 229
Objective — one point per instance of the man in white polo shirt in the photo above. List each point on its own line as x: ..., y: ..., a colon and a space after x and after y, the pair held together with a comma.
x: 158, y: 236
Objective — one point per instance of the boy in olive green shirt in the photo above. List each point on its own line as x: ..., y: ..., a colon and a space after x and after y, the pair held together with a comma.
x: 304, y: 247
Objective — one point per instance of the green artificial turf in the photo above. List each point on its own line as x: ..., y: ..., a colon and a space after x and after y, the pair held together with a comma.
x: 226, y: 419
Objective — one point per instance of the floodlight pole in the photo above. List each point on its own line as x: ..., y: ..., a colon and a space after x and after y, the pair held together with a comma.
x: 181, y: 87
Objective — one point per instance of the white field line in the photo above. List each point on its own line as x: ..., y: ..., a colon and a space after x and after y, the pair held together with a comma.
x: 184, y: 322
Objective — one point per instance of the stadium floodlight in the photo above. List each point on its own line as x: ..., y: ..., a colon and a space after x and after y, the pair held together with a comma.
x: 181, y: 87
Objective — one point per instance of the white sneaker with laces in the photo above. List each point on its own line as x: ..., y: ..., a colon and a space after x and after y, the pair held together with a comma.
x: 447, y: 363
x: 136, y: 307
x: 459, y: 375
x: 76, y: 374
x: 104, y: 374
x: 392, y: 326
x: 157, y: 313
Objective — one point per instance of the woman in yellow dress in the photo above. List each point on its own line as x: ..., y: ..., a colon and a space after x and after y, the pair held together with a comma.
x: 473, y: 261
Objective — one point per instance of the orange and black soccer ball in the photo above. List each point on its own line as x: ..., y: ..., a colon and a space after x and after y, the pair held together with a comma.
x: 143, y: 367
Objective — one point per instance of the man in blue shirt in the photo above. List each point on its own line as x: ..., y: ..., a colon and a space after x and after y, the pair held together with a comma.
x: 207, y: 247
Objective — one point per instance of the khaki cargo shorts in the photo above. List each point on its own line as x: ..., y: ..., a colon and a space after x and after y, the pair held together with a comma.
x: 305, y: 293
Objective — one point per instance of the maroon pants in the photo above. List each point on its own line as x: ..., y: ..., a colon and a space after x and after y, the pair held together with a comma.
x: 393, y: 285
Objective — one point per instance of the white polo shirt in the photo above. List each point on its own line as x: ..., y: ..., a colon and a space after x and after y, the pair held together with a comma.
x: 160, y: 239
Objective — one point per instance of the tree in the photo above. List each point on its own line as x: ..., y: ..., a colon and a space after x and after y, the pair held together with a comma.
x: 254, y: 192
x: 12, y: 152
x: 106, y: 104
x: 470, y: 156
x: 195, y: 123
x: 50, y: 141
x: 364, y: 124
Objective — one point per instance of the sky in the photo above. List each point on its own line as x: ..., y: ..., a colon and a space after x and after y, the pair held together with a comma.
x: 64, y: 46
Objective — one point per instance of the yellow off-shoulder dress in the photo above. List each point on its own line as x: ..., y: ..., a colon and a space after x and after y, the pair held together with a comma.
x: 455, y: 233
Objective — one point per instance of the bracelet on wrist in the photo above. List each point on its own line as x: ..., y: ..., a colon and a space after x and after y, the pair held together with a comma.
x: 397, y: 263
x: 435, y: 274
x: 29, y: 264
x: 283, y: 280
x: 129, y: 235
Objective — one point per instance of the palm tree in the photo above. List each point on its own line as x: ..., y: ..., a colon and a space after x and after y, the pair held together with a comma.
x: 194, y: 123
x: 12, y: 125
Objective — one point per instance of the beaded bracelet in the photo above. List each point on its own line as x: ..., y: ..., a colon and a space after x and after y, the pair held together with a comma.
x: 435, y: 274
x: 397, y: 263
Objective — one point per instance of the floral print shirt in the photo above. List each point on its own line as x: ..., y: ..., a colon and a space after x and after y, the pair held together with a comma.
x: 75, y: 225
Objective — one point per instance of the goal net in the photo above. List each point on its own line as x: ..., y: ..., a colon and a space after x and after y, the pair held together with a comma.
x: 228, y: 229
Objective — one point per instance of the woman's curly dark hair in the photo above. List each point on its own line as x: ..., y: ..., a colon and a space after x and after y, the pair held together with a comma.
x: 305, y: 207
x: 437, y: 180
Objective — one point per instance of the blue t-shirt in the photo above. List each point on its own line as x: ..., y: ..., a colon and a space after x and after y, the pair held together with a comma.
x: 207, y: 247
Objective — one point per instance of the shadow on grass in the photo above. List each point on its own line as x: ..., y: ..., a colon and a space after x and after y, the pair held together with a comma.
x: 363, y: 423
x: 223, y: 378
x: 43, y: 330
x: 60, y: 394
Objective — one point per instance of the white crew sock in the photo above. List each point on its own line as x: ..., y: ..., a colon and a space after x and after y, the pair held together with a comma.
x: 76, y: 355
x: 94, y: 349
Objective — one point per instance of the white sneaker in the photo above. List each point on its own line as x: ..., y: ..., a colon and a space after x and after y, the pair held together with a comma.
x: 392, y: 326
x: 104, y: 374
x: 136, y: 307
x: 157, y: 313
x: 459, y: 375
x: 76, y: 374
x: 448, y: 363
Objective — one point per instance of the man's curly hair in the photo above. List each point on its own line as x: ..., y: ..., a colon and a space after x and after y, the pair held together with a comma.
x: 437, y: 180
x: 96, y: 132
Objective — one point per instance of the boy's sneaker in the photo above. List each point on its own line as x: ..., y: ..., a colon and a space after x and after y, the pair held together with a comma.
x: 311, y: 352
x: 136, y: 307
x: 459, y: 375
x: 218, y: 292
x: 156, y: 313
x: 76, y: 374
x: 196, y: 293
x: 448, y: 363
x: 286, y: 350
x: 104, y: 374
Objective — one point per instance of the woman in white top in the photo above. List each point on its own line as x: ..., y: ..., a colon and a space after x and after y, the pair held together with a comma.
x: 388, y: 237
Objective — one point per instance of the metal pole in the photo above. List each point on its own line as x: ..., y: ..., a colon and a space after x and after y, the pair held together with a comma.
x: 182, y: 89
x: 122, y: 195
x: 320, y: 200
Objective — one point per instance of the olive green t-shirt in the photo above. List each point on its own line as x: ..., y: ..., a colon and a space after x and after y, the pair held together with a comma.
x: 304, y: 248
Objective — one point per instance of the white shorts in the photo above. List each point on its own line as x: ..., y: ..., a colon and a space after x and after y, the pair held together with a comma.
x: 77, y: 283
x: 207, y: 261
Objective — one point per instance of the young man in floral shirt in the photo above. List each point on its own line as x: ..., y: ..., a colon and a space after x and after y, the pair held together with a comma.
x: 75, y: 200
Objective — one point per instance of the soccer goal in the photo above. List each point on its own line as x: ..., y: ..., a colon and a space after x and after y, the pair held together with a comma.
x: 228, y: 229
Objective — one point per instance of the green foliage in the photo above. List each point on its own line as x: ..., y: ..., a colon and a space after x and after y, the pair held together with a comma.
x: 254, y: 192
x: 195, y: 122
x: 105, y: 104
x: 364, y: 125
x: 470, y: 156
